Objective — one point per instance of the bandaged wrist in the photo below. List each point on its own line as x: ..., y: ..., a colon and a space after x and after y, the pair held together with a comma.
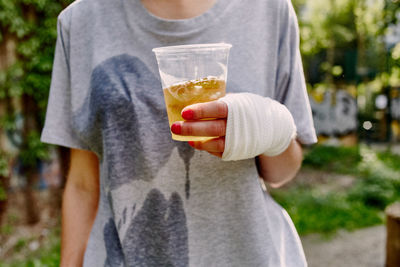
x: 256, y: 125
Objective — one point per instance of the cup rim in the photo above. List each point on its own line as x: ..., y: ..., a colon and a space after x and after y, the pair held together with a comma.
x: 191, y: 48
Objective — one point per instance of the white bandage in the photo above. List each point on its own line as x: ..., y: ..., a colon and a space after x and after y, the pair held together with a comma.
x: 256, y: 125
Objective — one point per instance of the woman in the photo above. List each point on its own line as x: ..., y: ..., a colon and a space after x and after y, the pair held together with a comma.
x: 133, y: 196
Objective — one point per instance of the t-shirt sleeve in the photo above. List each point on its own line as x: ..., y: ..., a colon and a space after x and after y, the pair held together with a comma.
x: 291, y: 88
x: 58, y: 127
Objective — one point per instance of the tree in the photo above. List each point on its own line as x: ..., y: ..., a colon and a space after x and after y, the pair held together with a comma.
x: 27, y: 38
x: 344, y: 40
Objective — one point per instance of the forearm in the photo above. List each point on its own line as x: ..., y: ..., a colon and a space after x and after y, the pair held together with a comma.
x: 278, y: 170
x: 78, y: 213
x: 246, y: 138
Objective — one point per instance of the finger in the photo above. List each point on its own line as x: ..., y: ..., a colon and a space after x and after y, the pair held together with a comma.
x: 213, y: 145
x: 214, y: 109
x: 199, y: 128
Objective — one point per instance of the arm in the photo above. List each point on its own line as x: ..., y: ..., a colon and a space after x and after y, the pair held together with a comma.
x: 79, y: 208
x: 278, y: 170
x: 275, y: 170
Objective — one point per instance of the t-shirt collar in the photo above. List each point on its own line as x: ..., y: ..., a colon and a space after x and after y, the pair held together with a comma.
x: 137, y: 13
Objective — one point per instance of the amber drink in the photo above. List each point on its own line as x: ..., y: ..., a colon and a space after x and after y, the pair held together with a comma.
x: 191, y: 74
x: 184, y: 94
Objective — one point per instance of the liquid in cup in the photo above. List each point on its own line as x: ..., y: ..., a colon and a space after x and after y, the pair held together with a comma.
x: 187, y: 93
x: 191, y: 74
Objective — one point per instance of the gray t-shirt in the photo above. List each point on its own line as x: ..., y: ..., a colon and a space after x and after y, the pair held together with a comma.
x: 161, y: 202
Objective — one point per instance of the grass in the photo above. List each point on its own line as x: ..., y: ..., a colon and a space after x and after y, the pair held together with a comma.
x: 390, y: 160
x: 333, y: 159
x: 325, y: 213
x: 47, y: 255
x: 376, y: 185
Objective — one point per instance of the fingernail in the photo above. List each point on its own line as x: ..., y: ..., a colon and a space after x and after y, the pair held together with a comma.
x: 188, y: 114
x: 191, y: 143
x: 176, y: 128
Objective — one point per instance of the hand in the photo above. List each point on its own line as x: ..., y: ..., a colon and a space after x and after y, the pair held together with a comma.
x: 194, y: 126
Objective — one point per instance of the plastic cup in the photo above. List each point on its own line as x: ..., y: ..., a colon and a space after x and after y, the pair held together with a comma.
x: 191, y: 74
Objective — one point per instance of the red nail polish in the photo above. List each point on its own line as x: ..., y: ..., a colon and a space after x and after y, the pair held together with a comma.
x: 176, y: 128
x: 188, y: 114
x: 191, y: 143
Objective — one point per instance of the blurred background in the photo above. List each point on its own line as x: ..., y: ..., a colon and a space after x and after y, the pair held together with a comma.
x: 351, y: 56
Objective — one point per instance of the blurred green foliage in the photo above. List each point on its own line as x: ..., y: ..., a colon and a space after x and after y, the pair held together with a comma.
x: 3, y: 174
x: 3, y: 164
x: 333, y: 159
x: 31, y: 27
x: 316, y: 212
x: 379, y: 181
x: 390, y: 160
x: 345, y: 45
x: 34, y: 150
x: 47, y: 256
x: 376, y: 185
x: 344, y: 40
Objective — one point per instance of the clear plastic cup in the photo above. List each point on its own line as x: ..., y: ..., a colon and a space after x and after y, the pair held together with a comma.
x: 191, y: 74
